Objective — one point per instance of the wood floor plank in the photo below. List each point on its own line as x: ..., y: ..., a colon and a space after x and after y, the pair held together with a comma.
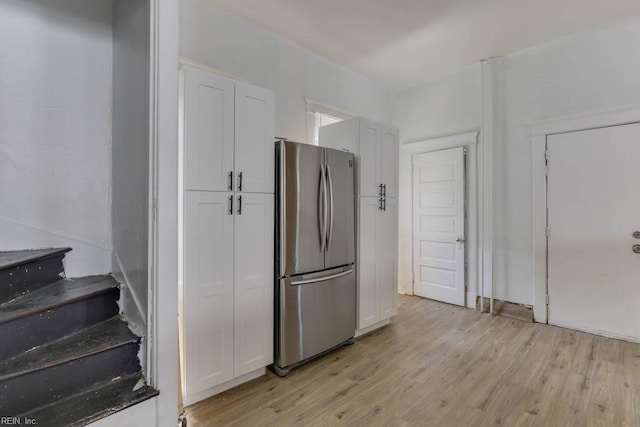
x: 442, y: 365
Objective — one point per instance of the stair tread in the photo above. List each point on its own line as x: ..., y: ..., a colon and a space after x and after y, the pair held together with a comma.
x: 54, y: 295
x: 93, y: 404
x: 95, y: 339
x: 10, y: 259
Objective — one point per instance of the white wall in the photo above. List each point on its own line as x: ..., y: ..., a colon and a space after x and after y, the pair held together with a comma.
x: 446, y: 106
x: 130, y: 152
x: 213, y: 36
x: 55, y: 129
x: 591, y: 71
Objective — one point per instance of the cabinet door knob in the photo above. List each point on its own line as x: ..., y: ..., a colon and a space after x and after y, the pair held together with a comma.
x: 230, y: 183
x: 239, y: 205
x: 239, y: 181
x: 230, y: 205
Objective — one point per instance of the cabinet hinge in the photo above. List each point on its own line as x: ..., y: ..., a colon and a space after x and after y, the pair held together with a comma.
x: 546, y: 299
x: 547, y: 231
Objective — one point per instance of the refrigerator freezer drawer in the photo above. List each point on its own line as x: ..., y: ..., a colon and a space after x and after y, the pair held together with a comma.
x: 316, y: 313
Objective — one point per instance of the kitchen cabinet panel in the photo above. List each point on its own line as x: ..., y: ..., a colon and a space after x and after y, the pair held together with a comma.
x: 208, y: 128
x: 254, y: 139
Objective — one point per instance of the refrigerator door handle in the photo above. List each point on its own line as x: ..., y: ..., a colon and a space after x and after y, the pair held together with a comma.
x: 330, y: 203
x: 322, y: 208
x: 322, y: 279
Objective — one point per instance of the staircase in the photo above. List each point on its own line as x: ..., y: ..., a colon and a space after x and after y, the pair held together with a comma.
x: 67, y: 356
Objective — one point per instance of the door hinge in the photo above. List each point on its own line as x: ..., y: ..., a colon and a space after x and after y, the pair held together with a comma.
x: 546, y: 299
x: 547, y: 231
x: 546, y: 162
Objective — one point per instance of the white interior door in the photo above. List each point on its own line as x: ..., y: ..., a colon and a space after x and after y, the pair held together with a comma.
x: 438, y: 225
x: 593, y: 211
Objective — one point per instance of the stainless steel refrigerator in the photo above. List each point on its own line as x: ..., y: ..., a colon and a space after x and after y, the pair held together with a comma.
x: 315, y: 246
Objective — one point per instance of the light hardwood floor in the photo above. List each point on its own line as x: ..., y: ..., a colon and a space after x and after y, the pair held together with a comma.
x: 438, y: 364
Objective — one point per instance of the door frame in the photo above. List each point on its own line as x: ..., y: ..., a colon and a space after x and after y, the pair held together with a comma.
x: 473, y: 237
x: 540, y: 130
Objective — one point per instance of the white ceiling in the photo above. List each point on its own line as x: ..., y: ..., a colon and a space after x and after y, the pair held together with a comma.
x: 402, y: 43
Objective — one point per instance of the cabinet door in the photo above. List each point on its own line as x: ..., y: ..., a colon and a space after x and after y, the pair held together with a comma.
x: 208, y: 130
x: 208, y: 290
x: 387, y: 258
x: 388, y: 160
x: 367, y: 163
x: 254, y: 137
x: 368, y: 298
x: 254, y: 282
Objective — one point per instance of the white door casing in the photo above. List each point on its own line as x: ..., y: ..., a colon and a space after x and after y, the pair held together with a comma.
x: 253, y: 274
x: 208, y: 290
x: 438, y: 225
x: 592, y: 271
x: 209, y: 130
x: 254, y: 139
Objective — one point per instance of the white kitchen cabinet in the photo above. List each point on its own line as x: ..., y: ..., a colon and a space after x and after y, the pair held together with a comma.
x: 376, y: 148
x: 388, y: 160
x: 208, y: 292
x: 253, y: 284
x: 254, y: 139
x: 208, y: 130
x: 228, y: 130
x: 387, y: 258
x: 227, y: 222
x: 377, y: 261
x: 228, y: 288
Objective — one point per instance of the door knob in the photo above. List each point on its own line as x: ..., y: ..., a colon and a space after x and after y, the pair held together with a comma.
x: 636, y: 248
x: 636, y: 234
x: 461, y: 240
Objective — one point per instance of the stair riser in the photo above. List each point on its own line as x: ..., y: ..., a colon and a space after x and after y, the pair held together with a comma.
x: 22, y: 394
x: 39, y: 328
x: 16, y: 281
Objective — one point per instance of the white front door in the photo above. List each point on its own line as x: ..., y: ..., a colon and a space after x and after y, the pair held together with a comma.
x: 438, y: 225
x: 593, y: 211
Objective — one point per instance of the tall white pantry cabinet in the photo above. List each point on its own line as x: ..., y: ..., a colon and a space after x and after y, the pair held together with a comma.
x: 376, y: 148
x: 226, y: 315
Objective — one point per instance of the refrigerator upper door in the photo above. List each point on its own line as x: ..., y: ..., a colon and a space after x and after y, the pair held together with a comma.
x: 340, y: 244
x: 303, y: 208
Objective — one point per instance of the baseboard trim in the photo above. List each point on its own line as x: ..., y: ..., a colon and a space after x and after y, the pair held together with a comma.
x: 369, y: 329
x: 190, y: 399
x: 596, y: 332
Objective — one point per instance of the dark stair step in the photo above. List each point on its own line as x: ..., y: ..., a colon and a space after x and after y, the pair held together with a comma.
x: 26, y: 271
x: 68, y: 366
x: 57, y: 310
x: 94, y: 404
